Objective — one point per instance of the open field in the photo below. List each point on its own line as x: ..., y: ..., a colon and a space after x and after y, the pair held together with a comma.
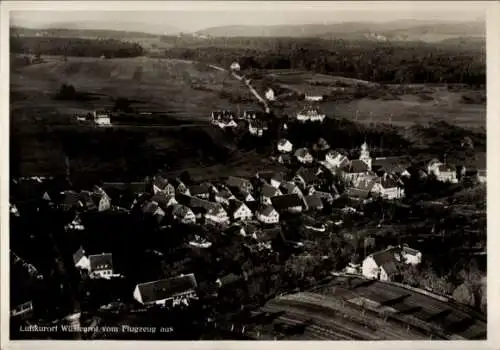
x: 368, y: 310
x: 401, y: 105
x: 183, y: 91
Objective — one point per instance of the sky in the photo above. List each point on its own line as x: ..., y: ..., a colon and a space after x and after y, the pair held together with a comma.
x: 192, y: 16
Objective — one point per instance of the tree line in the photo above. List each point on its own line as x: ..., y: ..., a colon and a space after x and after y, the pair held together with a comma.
x: 79, y: 47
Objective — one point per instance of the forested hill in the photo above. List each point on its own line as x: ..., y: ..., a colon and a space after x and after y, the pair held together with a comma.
x: 382, y: 62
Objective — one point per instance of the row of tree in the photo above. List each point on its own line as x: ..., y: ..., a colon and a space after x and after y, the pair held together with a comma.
x: 80, y: 47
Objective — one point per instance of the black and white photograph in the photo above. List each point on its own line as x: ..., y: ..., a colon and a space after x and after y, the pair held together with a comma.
x: 246, y: 171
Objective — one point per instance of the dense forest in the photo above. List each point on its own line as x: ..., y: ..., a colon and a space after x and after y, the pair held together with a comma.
x: 383, y: 62
x: 398, y: 62
x: 79, y: 47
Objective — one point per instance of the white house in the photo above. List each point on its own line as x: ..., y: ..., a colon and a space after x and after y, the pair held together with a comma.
x: 239, y: 211
x: 267, y: 215
x: 380, y: 265
x: 216, y: 214
x: 101, y: 265
x: 388, y: 187
x: 270, y: 95
x: 303, y: 156
x: 235, y: 66
x: 257, y: 127
x: 311, y: 97
x: 284, y: 146
x: 409, y: 255
x: 165, y: 291
x: 80, y: 260
x: 101, y: 118
x: 442, y: 172
x: 312, y: 115
x: 336, y: 159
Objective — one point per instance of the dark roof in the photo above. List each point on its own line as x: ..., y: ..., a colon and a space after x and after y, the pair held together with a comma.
x: 237, y: 182
x: 134, y: 187
x: 301, y: 152
x: 160, y: 182
x: 78, y: 255
x: 224, y: 193
x: 388, y: 182
x: 286, y: 201
x: 288, y: 186
x: 307, y: 174
x: 199, y: 189
x: 234, y: 205
x: 358, y: 193
x: 385, y: 259
x: 101, y: 261
x: 390, y: 164
x: 161, y: 198
x: 266, y: 209
x: 72, y: 199
x: 314, y: 201
x: 268, y: 234
x: 180, y: 210
x: 268, y: 191
x: 166, y: 288
x: 357, y: 166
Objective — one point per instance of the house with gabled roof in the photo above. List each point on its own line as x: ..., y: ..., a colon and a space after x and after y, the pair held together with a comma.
x: 289, y: 187
x: 223, y: 196
x: 307, y: 177
x: 362, y: 191
x: 284, y: 146
x: 238, y: 211
x: 166, y: 291
x: 336, y: 159
x: 161, y: 184
x: 239, y: 183
x: 443, y: 172
x: 303, y: 156
x: 213, y: 212
x: 101, y: 265
x: 291, y: 203
x: 314, y: 202
x: 183, y: 214
x: 201, y: 191
x: 163, y: 200
x: 284, y: 158
x: 273, y: 178
x: 71, y: 201
x: 80, y: 259
x: 267, y: 192
x: 381, y: 266
x: 153, y: 209
x: 267, y: 214
x: 388, y: 187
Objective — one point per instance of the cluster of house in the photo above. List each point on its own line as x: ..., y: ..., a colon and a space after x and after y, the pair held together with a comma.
x: 99, y: 118
x: 366, y: 177
x: 257, y: 126
x: 387, y: 264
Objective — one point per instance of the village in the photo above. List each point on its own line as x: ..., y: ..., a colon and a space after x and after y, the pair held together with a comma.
x: 254, y: 209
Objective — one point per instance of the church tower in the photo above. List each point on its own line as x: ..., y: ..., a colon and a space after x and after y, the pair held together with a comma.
x: 365, y: 155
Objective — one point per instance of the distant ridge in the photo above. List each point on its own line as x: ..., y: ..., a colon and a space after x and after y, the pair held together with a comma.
x: 410, y: 30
